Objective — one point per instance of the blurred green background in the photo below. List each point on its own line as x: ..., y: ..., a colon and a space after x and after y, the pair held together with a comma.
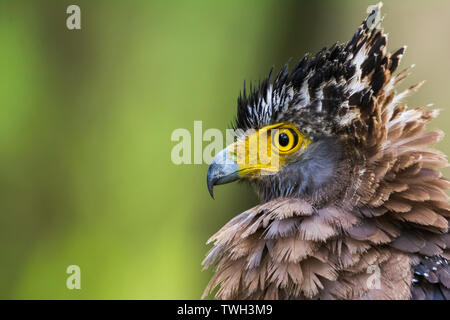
x: 86, y: 118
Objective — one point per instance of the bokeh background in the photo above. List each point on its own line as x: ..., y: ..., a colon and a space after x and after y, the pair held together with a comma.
x: 86, y: 117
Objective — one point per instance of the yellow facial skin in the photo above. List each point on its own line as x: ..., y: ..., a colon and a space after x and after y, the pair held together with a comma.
x: 267, y: 150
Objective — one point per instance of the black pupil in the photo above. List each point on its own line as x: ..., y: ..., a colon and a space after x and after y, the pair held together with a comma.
x: 283, y: 139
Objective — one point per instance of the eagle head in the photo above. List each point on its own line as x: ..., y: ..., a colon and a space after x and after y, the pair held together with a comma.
x: 306, y: 132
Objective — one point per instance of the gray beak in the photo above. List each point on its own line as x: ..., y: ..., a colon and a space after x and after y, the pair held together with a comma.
x: 222, y: 170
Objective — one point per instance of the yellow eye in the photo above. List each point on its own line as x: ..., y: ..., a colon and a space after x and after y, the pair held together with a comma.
x: 287, y: 140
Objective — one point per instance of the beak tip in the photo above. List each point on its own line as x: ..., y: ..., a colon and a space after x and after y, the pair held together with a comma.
x: 210, y: 182
x: 211, y: 189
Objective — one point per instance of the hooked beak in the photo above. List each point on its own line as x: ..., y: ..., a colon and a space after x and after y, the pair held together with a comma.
x: 222, y: 170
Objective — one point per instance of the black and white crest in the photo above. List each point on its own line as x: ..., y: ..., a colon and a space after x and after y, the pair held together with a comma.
x: 333, y: 92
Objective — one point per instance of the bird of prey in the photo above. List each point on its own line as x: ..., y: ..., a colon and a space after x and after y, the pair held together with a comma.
x: 352, y: 201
